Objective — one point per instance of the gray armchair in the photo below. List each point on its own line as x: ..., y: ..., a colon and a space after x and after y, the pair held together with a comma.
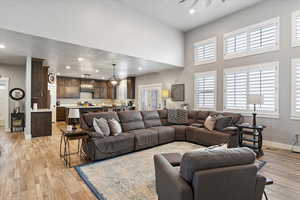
x: 210, y: 174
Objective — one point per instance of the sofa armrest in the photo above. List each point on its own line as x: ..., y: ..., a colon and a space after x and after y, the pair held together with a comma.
x: 260, y: 186
x: 169, y: 184
x: 93, y: 134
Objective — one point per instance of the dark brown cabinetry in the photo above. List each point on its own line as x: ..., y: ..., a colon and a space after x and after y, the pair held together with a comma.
x: 68, y: 87
x: 61, y: 114
x: 131, y: 88
x: 39, y: 83
x: 41, y: 124
x: 101, y: 91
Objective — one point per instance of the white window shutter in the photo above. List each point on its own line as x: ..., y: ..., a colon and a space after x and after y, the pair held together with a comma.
x: 205, y: 90
x: 235, y: 88
x: 205, y: 51
x: 236, y: 43
x: 296, y: 88
x: 296, y: 29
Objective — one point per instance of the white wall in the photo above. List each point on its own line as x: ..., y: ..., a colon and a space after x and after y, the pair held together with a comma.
x: 16, y: 75
x: 280, y: 130
x: 100, y: 24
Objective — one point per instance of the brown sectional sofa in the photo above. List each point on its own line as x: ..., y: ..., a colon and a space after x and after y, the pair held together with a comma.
x: 146, y: 129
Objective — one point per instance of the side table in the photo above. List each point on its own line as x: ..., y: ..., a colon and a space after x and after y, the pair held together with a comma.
x: 251, y: 136
x: 66, y: 136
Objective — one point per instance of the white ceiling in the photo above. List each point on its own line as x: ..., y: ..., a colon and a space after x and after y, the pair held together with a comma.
x: 58, y: 55
x: 173, y: 14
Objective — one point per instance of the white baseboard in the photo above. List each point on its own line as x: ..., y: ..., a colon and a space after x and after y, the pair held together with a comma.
x: 280, y: 145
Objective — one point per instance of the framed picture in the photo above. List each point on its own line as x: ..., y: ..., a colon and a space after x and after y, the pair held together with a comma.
x: 17, y: 94
x: 177, y: 92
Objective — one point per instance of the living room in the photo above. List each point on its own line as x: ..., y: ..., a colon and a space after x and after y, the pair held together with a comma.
x: 130, y: 99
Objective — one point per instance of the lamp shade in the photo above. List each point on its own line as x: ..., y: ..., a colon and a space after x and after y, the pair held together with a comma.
x: 255, y: 99
x: 165, y: 93
x: 74, y: 113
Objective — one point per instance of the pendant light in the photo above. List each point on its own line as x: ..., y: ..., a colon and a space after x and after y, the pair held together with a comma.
x: 113, y: 80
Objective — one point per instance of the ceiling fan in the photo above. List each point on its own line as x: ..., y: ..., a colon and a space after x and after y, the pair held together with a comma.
x: 195, y: 2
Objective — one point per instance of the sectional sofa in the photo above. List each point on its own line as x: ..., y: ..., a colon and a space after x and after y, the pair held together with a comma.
x: 147, y: 129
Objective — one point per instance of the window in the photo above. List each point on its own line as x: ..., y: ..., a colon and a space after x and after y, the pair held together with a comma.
x: 295, y: 89
x: 205, y: 51
x: 205, y: 90
x: 260, y: 79
x: 296, y: 29
x: 255, y: 39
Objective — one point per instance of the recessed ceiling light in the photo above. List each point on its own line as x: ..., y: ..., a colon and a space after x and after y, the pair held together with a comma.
x: 192, y: 11
x: 68, y: 67
x: 140, y: 69
x: 80, y: 59
x: 2, y: 46
x: 97, y: 70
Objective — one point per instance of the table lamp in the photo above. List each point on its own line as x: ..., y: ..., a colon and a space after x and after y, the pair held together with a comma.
x: 165, y: 95
x: 255, y: 100
x: 73, y: 116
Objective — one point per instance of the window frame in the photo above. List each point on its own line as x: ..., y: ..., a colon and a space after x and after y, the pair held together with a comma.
x: 202, y: 43
x: 294, y: 115
x: 294, y: 41
x: 248, y: 68
x: 202, y: 74
x: 247, y: 30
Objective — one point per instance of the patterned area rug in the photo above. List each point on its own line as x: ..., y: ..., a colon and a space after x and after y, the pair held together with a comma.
x: 128, y: 177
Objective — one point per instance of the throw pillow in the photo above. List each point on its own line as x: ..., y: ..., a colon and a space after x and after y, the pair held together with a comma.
x: 101, y: 126
x: 115, y: 127
x: 222, y: 122
x: 210, y: 123
x: 177, y: 116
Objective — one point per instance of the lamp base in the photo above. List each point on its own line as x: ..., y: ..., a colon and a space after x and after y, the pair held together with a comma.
x: 254, y: 119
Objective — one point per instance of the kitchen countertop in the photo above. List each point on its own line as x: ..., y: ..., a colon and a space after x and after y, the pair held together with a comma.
x: 41, y: 110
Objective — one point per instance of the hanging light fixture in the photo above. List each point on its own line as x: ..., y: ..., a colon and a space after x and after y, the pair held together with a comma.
x: 205, y: 3
x: 113, y: 80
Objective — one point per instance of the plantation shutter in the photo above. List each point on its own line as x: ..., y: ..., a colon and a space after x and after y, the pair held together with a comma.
x: 262, y: 81
x: 296, y: 88
x: 264, y: 36
x: 236, y: 43
x: 297, y: 24
x: 205, y: 87
x: 235, y: 88
x: 205, y: 51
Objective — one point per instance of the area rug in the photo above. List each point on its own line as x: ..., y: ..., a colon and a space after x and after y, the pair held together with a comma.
x: 128, y: 177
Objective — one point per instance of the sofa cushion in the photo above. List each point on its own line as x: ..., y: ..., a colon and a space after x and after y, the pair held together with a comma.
x: 180, y: 132
x: 144, y: 138
x: 115, y: 127
x: 205, y: 137
x: 235, y: 117
x: 151, y: 118
x: 177, y: 116
x: 214, y: 158
x: 198, y: 114
x: 165, y: 134
x: 131, y: 120
x: 210, y: 123
x: 222, y: 122
x: 115, y: 144
x: 86, y: 120
x: 101, y: 127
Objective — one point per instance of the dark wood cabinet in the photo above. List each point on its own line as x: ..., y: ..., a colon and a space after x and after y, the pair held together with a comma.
x: 68, y: 87
x: 61, y: 114
x: 111, y: 91
x: 131, y: 88
x: 41, y: 124
x: 39, y: 83
x: 100, y: 91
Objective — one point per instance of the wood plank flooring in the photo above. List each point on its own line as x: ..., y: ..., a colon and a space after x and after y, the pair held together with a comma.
x: 32, y: 170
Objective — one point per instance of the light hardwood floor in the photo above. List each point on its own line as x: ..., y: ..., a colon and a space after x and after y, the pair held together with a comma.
x: 32, y: 170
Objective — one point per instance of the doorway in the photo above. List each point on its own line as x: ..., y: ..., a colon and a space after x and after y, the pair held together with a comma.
x: 149, y: 97
x: 4, y: 101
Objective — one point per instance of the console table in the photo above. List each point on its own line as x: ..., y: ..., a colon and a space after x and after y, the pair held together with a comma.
x: 251, y: 136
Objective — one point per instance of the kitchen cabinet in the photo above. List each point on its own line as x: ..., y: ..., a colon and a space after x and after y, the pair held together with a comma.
x: 39, y: 83
x: 101, y: 91
x: 111, y: 91
x: 41, y: 124
x: 131, y: 88
x: 61, y: 114
x: 68, y: 87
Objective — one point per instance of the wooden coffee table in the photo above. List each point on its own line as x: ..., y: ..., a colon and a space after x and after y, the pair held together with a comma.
x: 67, y: 136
